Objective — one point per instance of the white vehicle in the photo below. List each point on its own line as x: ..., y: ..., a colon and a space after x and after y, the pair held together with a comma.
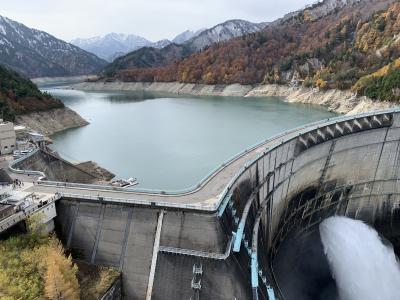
x: 124, y: 183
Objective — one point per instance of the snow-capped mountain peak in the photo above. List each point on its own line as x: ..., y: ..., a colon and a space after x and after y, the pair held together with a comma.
x: 36, y: 53
x: 114, y: 44
x: 186, y: 35
x: 224, y: 31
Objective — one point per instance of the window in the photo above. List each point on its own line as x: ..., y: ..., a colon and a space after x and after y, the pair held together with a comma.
x: 5, y: 147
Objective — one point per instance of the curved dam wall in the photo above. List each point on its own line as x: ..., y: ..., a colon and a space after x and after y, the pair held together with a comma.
x: 348, y: 168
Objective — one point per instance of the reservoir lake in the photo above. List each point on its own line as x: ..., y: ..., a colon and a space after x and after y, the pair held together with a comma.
x: 170, y: 142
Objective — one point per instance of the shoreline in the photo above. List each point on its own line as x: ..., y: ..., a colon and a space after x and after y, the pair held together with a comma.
x: 342, y: 102
x: 40, y: 81
x: 55, y: 120
x: 51, y: 121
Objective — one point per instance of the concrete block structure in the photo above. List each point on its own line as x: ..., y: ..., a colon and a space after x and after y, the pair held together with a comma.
x: 7, y: 138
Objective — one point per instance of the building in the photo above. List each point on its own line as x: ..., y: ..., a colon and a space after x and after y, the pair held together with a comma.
x: 7, y: 137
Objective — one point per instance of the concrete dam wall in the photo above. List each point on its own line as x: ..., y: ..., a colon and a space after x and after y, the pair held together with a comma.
x: 347, y: 166
x: 124, y: 236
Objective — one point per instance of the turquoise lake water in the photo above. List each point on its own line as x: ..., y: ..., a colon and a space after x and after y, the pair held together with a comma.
x: 171, y: 142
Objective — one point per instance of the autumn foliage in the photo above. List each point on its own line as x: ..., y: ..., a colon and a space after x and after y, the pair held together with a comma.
x: 60, y: 276
x: 331, y: 52
x: 19, y: 95
x: 34, y: 266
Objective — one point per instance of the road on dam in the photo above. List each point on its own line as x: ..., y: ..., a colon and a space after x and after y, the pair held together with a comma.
x: 209, y: 193
x: 347, y: 165
x: 205, y: 195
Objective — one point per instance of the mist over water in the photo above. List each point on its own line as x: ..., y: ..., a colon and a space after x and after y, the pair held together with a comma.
x: 361, y: 264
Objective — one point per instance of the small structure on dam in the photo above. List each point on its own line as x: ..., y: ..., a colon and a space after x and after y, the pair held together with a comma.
x: 223, y: 238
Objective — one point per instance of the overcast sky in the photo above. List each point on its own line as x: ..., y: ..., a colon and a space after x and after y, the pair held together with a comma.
x: 153, y: 19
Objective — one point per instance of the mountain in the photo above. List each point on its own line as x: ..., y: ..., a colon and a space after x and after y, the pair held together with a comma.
x: 223, y: 32
x: 338, y: 44
x: 150, y: 57
x: 186, y: 35
x: 114, y: 45
x: 106, y: 47
x: 35, y: 53
x: 161, y: 44
x: 19, y: 95
x: 315, y: 11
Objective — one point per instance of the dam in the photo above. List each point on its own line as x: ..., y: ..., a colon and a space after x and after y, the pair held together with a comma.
x: 221, y: 239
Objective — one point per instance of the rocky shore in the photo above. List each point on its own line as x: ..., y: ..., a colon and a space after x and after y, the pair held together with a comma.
x: 343, y: 102
x: 93, y: 168
x: 52, y: 121
x: 40, y: 81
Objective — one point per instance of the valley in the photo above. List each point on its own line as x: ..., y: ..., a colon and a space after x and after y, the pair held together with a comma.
x: 210, y: 149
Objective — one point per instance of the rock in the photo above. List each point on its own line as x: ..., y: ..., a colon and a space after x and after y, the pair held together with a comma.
x: 51, y: 121
x: 93, y: 168
x: 343, y: 102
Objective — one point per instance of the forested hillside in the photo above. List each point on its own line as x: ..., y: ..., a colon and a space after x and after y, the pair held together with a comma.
x: 35, y: 53
x: 354, y: 47
x: 156, y: 57
x: 35, y: 266
x: 19, y: 95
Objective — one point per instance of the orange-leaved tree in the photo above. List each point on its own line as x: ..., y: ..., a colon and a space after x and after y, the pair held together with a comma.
x: 60, y: 277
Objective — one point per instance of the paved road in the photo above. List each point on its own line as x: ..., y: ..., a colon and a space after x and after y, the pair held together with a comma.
x: 207, y: 195
x: 204, y: 196
x: 5, y: 160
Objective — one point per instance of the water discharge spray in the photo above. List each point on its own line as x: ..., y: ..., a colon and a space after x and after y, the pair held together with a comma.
x: 362, y: 265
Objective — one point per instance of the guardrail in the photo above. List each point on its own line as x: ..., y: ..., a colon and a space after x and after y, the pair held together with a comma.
x: 155, y: 203
x: 196, y: 253
x: 300, y: 131
x: 282, y: 138
x: 23, y: 214
x: 12, y: 168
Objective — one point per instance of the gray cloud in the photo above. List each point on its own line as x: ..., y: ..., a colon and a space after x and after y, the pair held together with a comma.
x: 153, y: 19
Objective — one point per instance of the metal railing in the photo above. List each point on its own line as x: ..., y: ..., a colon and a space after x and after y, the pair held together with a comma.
x: 23, y: 214
x: 12, y: 168
x: 300, y: 131
x: 282, y: 138
x: 155, y: 203
x: 202, y: 254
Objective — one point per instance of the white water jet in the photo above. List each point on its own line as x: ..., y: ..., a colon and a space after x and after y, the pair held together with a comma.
x: 362, y: 265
